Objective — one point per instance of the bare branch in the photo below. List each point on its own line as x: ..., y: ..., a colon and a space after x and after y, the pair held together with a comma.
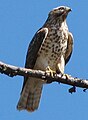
x: 11, y: 71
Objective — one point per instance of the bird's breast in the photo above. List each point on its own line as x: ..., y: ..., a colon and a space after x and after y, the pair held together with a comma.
x: 51, y: 49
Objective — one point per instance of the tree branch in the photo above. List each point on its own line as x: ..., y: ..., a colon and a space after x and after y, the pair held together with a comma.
x: 11, y: 71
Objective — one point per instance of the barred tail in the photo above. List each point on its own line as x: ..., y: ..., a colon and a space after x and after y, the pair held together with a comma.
x: 30, y: 96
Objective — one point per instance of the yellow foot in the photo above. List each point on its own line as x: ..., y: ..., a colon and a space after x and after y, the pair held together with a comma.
x: 67, y: 76
x: 50, y: 72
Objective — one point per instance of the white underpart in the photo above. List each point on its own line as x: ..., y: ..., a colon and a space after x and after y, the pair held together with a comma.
x: 42, y: 63
x: 61, y: 64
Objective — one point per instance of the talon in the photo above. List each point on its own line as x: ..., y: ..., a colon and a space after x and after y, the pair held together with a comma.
x: 67, y: 76
x: 50, y: 72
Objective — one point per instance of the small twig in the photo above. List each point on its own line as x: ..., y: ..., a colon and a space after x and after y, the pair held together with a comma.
x: 72, y: 89
x: 11, y: 71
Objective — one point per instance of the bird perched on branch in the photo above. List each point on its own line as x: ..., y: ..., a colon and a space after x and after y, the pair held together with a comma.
x: 49, y: 50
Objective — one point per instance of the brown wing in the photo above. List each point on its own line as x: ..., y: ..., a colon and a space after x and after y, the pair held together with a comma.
x: 69, y: 48
x: 33, y: 49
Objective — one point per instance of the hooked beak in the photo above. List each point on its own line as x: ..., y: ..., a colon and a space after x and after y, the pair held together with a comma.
x: 68, y: 9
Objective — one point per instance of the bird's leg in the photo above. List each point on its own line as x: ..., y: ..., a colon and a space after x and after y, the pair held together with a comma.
x: 60, y: 67
x: 61, y: 71
x: 50, y: 72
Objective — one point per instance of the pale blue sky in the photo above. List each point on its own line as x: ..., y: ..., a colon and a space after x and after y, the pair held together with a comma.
x: 19, y: 20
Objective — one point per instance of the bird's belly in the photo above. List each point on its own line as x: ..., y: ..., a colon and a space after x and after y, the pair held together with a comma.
x: 43, y: 61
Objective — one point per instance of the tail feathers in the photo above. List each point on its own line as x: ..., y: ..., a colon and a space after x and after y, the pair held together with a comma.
x: 30, y: 96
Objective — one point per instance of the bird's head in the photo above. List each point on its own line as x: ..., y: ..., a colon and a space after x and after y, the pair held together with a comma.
x: 60, y: 12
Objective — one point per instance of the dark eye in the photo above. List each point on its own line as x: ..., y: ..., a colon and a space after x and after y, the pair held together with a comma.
x: 62, y: 8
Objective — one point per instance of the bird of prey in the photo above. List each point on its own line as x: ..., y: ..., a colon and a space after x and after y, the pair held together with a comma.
x: 50, y: 49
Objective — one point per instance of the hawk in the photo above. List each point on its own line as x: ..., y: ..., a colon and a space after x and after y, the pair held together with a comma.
x: 50, y: 49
